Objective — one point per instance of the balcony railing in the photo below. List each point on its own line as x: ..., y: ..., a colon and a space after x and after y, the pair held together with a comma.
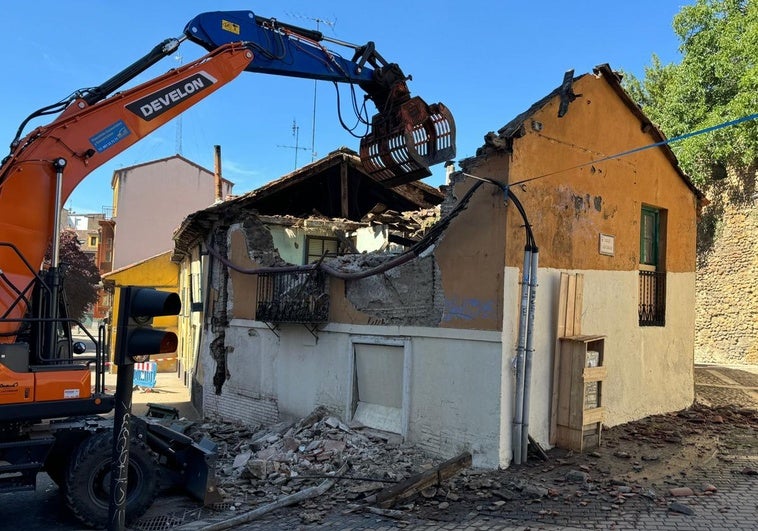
x: 296, y: 297
x: 652, y: 310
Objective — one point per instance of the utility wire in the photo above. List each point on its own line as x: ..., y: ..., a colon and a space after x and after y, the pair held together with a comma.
x: 685, y: 136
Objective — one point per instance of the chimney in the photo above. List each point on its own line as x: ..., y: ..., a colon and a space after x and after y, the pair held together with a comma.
x: 449, y: 170
x: 217, y: 174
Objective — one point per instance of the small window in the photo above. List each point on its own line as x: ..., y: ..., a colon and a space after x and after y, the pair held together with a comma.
x: 93, y: 241
x: 649, y: 234
x: 317, y: 246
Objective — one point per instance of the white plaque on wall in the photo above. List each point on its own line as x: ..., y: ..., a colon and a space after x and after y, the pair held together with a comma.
x: 607, y: 243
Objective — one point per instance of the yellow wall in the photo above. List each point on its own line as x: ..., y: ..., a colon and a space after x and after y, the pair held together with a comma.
x: 158, y: 272
x: 569, y: 208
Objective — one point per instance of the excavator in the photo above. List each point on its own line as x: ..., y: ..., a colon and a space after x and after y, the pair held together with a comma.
x: 53, y: 403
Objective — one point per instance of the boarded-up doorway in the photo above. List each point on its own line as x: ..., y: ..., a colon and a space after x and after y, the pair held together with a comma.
x: 380, y: 371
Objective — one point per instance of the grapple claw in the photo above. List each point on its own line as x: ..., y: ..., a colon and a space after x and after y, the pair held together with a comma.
x: 401, y: 147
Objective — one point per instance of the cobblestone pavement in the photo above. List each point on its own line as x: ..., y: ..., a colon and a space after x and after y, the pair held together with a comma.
x: 733, y: 505
x: 711, y: 450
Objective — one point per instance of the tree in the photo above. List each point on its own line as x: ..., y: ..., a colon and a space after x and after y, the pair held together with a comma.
x: 716, y: 82
x: 80, y: 275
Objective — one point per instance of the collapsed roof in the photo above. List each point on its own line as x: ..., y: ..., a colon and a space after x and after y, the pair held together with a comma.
x: 334, y: 187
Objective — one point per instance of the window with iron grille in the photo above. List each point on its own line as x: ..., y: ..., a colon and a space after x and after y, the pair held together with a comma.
x: 652, y: 275
x: 652, y: 298
x: 292, y: 297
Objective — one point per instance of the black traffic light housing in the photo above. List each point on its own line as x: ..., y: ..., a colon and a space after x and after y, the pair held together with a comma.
x: 136, y: 339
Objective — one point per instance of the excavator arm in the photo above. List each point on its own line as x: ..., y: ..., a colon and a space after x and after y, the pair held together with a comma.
x: 96, y: 124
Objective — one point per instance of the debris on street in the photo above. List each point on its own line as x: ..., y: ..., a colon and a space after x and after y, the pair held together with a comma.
x: 325, y: 468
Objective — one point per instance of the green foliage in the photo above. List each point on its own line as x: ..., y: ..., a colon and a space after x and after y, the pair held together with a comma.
x: 716, y: 82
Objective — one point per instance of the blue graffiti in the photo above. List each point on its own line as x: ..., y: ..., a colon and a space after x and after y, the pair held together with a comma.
x: 468, y: 309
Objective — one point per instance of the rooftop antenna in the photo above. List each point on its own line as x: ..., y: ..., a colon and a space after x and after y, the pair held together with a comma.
x: 296, y: 134
x: 318, y: 21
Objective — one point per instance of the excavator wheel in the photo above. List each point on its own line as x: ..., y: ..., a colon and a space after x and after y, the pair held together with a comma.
x: 402, y: 145
x: 88, y: 480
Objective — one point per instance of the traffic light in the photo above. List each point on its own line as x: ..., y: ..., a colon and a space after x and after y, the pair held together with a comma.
x: 136, y: 339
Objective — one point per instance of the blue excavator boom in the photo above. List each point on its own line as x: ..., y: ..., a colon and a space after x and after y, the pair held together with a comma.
x: 406, y: 136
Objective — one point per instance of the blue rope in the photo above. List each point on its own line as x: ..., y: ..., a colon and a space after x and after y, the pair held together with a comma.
x: 649, y: 146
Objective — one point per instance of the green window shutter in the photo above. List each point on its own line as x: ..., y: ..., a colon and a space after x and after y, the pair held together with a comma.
x: 649, y: 234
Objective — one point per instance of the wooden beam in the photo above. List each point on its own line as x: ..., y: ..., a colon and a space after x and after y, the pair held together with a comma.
x: 415, y: 484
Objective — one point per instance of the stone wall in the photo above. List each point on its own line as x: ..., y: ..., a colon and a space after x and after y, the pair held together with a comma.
x: 726, y: 326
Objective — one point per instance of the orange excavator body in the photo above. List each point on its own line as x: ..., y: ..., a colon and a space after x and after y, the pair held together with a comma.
x: 28, y: 177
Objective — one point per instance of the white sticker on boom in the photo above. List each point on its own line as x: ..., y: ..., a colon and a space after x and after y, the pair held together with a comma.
x: 71, y: 393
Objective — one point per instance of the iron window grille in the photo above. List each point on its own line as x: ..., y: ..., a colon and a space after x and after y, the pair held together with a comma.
x: 292, y: 297
x: 652, y: 310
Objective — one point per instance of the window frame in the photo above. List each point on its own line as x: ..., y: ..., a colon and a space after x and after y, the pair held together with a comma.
x: 654, y: 217
x: 652, y: 274
x: 308, y: 257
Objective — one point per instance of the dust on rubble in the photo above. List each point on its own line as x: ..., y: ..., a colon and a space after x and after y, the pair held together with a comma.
x: 638, y: 462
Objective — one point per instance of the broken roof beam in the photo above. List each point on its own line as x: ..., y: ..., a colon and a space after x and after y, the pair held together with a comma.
x: 415, y: 484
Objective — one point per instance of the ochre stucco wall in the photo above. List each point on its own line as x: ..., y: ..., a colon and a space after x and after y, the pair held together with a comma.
x: 569, y: 208
x: 470, y: 256
x: 158, y: 272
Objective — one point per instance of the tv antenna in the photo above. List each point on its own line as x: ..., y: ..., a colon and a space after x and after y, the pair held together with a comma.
x: 331, y: 24
x: 296, y: 134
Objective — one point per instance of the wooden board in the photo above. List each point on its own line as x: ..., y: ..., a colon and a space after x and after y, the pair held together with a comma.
x: 570, y: 295
x: 595, y: 374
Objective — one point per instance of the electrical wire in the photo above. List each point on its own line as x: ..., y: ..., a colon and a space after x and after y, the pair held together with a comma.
x: 530, y: 241
x: 679, y: 138
x: 414, y: 251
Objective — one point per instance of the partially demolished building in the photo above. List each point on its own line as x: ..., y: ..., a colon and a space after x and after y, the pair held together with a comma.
x: 310, y: 292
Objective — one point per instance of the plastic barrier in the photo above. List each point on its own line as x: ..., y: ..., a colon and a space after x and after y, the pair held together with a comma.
x: 145, y: 374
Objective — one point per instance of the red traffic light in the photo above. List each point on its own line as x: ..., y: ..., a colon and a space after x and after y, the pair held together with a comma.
x: 150, y: 341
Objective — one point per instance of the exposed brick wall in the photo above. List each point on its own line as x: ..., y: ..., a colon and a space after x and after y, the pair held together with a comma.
x: 726, y: 325
x: 235, y: 407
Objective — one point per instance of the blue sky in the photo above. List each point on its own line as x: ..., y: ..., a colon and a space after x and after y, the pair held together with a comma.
x: 487, y: 61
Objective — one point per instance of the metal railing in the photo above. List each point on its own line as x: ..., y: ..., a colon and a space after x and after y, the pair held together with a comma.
x: 652, y: 310
x: 293, y: 297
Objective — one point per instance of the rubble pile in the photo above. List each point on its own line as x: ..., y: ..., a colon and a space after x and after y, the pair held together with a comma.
x: 664, y: 462
x: 259, y: 465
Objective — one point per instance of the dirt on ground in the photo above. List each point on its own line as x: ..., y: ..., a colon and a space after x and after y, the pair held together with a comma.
x: 647, y: 461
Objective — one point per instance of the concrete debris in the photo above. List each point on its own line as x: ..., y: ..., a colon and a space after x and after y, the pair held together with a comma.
x: 636, y: 467
x: 258, y: 466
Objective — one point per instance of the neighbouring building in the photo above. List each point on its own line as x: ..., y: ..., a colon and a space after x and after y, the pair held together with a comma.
x: 419, y: 338
x: 157, y: 272
x: 149, y: 202
x: 104, y: 262
x: 151, y: 199
x: 87, y: 228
